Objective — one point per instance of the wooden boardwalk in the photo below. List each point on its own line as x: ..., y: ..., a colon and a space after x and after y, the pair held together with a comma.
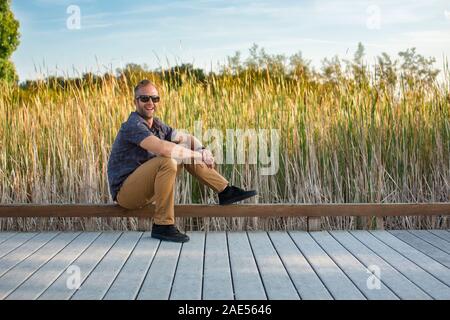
x: 398, y: 264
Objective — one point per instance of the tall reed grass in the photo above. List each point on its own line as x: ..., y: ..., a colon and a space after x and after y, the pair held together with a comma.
x: 339, y: 143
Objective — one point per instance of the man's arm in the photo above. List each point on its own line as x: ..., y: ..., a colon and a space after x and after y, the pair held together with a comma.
x: 192, y: 143
x: 188, y: 141
x: 169, y: 149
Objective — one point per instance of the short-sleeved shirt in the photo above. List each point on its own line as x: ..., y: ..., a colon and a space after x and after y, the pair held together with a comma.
x: 126, y: 154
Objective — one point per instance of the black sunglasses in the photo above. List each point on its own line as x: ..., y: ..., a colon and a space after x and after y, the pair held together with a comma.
x: 145, y: 98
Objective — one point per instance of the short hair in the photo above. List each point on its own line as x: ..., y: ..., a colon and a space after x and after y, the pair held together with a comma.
x: 142, y: 84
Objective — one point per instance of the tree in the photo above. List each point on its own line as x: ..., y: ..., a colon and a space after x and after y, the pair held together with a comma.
x: 300, y: 67
x: 234, y: 64
x: 332, y: 69
x: 386, y: 70
x: 132, y: 71
x: 357, y: 68
x: 417, y: 68
x: 175, y: 76
x: 9, y: 40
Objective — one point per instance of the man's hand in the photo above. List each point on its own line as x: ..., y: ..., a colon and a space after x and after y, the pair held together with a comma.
x: 208, y: 158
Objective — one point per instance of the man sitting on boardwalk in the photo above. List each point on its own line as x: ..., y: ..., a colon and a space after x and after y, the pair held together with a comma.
x: 145, y: 158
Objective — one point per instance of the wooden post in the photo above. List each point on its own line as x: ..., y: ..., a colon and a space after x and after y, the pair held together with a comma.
x: 361, y: 223
x: 380, y: 223
x: 433, y: 222
x: 143, y: 224
x: 313, y: 223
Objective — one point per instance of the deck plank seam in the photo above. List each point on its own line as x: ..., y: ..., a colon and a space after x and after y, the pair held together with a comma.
x: 429, y: 241
x: 27, y: 256
x: 175, y: 271
x: 20, y: 245
x: 257, y: 266
x: 421, y: 250
x: 10, y: 236
x: 437, y: 235
x: 366, y: 266
x: 203, y: 266
x: 229, y: 264
x: 339, y: 267
x: 76, y: 257
x: 398, y: 270
x: 120, y: 270
x: 95, y: 267
x: 413, y: 261
x: 311, y: 266
x: 39, y: 268
x: 147, y: 271
x: 284, y: 266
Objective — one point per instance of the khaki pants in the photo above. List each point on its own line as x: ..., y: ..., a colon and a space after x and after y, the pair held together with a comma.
x: 154, y: 181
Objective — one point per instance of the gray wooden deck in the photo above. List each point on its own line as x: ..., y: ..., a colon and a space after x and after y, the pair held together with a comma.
x: 397, y: 264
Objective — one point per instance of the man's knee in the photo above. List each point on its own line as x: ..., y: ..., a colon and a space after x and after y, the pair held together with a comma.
x: 130, y: 204
x: 169, y: 164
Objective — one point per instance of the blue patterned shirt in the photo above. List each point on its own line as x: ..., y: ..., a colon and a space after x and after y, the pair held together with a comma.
x: 126, y: 154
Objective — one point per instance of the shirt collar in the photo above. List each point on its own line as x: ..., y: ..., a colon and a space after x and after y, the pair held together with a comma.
x: 155, y: 121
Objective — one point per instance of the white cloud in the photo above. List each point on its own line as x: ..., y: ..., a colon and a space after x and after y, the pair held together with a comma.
x: 354, y: 12
x: 441, y: 37
x: 447, y: 14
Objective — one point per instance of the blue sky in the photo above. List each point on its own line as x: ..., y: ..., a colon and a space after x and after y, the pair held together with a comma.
x: 204, y: 32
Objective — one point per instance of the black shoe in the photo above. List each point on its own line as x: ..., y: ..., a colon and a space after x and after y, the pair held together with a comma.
x: 233, y: 194
x: 168, y: 233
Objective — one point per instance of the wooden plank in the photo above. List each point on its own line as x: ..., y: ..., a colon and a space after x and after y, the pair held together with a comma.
x: 441, y: 234
x: 331, y: 275
x: 235, y: 210
x: 423, y: 246
x: 86, y: 262
x: 17, y: 255
x: 6, y: 235
x: 432, y: 239
x: 22, y: 271
x: 425, y: 262
x: 127, y: 284
x: 34, y: 286
x: 308, y: 284
x: 158, y: 282
x: 187, y: 284
x: 217, y: 282
x: 15, y: 242
x: 354, y: 269
x: 276, y: 280
x: 396, y: 281
x: 100, y: 279
x: 413, y: 272
x: 247, y: 281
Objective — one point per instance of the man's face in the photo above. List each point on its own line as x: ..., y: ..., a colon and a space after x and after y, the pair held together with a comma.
x: 146, y: 109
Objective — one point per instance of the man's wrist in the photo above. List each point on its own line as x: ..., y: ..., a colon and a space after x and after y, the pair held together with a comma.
x: 198, y: 155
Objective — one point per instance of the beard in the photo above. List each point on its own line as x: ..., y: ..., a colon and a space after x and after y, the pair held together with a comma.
x: 146, y: 114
